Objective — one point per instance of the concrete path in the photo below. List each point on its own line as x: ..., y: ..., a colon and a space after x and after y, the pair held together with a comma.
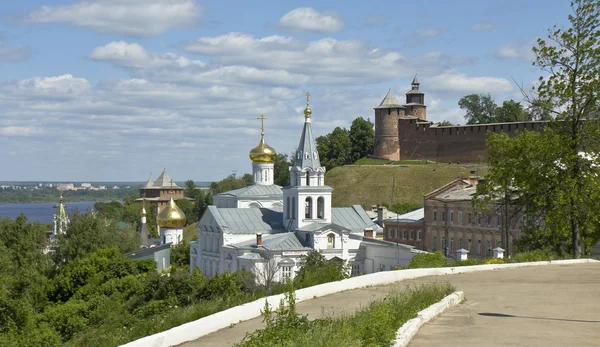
x: 554, y: 305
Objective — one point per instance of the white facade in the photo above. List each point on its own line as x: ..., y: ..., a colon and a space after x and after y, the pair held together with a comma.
x: 263, y: 173
x: 171, y: 235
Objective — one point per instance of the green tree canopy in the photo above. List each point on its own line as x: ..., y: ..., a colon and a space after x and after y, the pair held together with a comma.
x: 282, y: 170
x: 334, y: 148
x: 362, y: 138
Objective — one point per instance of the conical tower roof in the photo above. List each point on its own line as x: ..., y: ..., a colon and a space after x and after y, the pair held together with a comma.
x: 307, y: 155
x: 149, y: 183
x: 61, y: 213
x: 164, y: 180
x: 415, y: 80
x: 390, y: 101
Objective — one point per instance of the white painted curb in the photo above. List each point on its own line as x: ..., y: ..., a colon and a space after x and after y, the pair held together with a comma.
x: 408, y: 330
x: 193, y: 330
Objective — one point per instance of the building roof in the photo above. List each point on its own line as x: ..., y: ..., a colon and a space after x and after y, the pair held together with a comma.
x: 458, y: 193
x: 415, y: 80
x: 306, y: 154
x: 163, y: 181
x: 390, y: 101
x: 255, y: 191
x: 274, y: 242
x: 269, y: 221
x: 149, y: 183
x: 415, y: 216
x: 143, y: 252
x: 247, y: 220
x: 354, y: 218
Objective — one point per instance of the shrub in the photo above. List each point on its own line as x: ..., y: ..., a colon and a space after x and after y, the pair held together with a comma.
x: 426, y: 260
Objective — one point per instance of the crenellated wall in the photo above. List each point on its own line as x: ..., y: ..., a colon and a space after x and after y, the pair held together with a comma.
x: 419, y: 140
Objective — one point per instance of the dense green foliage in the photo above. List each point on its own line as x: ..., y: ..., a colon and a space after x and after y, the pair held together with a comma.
x: 282, y: 170
x: 30, y: 195
x: 554, y: 177
x: 315, y: 269
x: 342, y: 146
x: 373, y: 325
x: 481, y: 109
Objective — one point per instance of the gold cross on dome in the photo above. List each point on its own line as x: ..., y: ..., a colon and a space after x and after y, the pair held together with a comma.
x: 307, y: 98
x: 262, y: 123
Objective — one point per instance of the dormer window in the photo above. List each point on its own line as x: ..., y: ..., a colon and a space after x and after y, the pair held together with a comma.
x: 307, y: 155
x: 315, y: 155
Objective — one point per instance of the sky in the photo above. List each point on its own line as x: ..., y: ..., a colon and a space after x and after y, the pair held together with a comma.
x: 116, y: 90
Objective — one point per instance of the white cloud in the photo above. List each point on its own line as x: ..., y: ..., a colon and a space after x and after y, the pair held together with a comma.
x: 133, y: 55
x: 20, y: 131
x: 512, y: 50
x: 14, y: 53
x: 456, y: 82
x: 284, y: 93
x: 132, y: 17
x: 482, y: 27
x: 325, y: 61
x: 308, y: 19
x: 59, y: 87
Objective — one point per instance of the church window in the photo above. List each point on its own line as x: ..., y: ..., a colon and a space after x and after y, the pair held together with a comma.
x: 308, y: 208
x: 286, y: 272
x: 331, y: 241
x: 288, y: 207
x: 321, y: 208
x: 307, y: 178
x: 307, y: 155
x: 293, y: 208
x: 314, y: 155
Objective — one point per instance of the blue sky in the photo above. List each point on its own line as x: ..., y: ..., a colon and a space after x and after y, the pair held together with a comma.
x: 103, y: 90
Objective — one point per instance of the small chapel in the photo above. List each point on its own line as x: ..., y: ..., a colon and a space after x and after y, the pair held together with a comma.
x: 265, y: 228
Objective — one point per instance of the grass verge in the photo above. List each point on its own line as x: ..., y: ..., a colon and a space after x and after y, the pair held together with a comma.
x: 374, y: 325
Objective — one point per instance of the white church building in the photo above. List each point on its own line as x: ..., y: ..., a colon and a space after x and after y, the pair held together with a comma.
x: 265, y: 228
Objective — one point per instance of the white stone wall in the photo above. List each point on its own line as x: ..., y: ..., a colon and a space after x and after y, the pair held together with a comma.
x: 384, y: 258
x: 171, y: 235
x: 263, y: 173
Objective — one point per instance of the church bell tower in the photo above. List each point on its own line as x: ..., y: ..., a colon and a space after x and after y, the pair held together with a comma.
x: 307, y: 199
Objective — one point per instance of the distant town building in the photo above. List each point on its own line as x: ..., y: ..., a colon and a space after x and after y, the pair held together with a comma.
x: 451, y: 221
x: 86, y: 185
x: 406, y: 229
x: 161, y: 191
x: 65, y: 186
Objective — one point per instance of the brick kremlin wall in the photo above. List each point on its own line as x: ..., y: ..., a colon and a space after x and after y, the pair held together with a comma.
x: 419, y: 140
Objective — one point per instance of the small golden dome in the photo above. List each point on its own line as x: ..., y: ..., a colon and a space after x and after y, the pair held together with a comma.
x: 262, y: 153
x: 307, y: 112
x: 171, y: 216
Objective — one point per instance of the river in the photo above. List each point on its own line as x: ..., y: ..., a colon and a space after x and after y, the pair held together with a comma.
x: 42, y: 212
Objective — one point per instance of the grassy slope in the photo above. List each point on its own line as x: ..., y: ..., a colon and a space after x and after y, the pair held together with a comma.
x: 370, y: 185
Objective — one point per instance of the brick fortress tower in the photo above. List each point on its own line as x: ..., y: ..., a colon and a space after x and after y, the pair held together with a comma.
x: 386, y: 120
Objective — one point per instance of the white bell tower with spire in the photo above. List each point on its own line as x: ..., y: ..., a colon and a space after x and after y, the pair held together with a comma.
x: 307, y: 199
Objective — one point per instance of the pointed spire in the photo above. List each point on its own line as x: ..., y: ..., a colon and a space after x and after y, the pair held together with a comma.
x: 307, y: 154
x: 164, y: 180
x: 149, y: 182
x: 307, y: 111
x: 415, y: 81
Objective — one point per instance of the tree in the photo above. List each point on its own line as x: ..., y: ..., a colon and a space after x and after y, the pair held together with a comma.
x: 480, y: 108
x: 187, y: 207
x: 362, y: 138
x: 334, y: 148
x: 571, y: 57
x: 282, y: 170
x: 315, y: 269
x: 510, y: 111
x: 444, y: 123
x: 554, y: 176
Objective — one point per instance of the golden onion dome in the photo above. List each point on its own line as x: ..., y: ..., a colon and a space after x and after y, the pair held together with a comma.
x: 262, y: 153
x: 171, y: 216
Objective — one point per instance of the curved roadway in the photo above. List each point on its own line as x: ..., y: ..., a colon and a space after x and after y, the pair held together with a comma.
x: 549, y: 305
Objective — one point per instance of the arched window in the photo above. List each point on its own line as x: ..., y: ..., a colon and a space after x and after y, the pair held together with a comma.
x: 307, y: 179
x: 293, y: 208
x: 308, y: 208
x: 331, y: 241
x: 288, y: 207
x: 321, y: 208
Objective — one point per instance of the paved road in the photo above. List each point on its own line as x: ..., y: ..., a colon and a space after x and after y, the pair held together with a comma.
x: 554, y: 305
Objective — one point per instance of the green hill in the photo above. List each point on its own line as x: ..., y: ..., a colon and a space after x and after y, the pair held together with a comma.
x: 370, y: 185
